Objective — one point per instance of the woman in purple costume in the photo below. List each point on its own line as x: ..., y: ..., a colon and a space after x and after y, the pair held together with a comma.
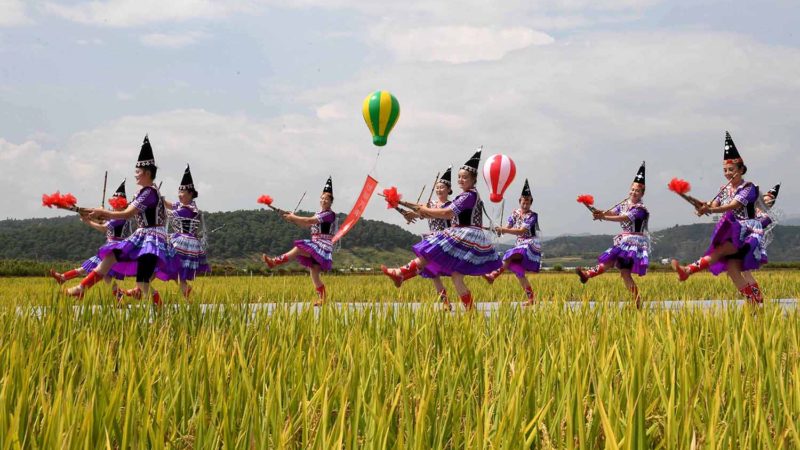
x: 442, y: 189
x: 526, y: 255
x: 315, y: 253
x: 460, y: 250
x: 115, y: 230
x: 737, y: 240
x: 631, y: 250
x: 145, y: 253
x: 187, y: 225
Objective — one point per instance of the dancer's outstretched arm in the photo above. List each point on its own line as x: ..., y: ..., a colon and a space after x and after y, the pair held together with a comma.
x: 436, y: 213
x: 305, y: 222
x: 101, y: 227
x: 102, y: 214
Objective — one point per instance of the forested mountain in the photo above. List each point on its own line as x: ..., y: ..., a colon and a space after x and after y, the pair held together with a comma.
x: 239, y: 237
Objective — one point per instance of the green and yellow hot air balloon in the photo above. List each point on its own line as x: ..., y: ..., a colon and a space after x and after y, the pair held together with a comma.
x: 381, y: 111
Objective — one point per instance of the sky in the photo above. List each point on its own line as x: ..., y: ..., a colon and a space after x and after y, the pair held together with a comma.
x: 264, y: 97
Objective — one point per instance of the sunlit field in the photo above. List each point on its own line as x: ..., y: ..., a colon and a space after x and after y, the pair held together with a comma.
x: 182, y: 376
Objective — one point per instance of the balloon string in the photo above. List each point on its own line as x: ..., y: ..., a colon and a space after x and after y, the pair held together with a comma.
x: 375, y: 165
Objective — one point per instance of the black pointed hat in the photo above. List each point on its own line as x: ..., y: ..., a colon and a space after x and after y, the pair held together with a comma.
x: 639, y: 178
x: 328, y: 186
x: 120, y: 192
x: 774, y: 191
x: 187, y: 184
x: 472, y: 164
x: 146, y: 158
x: 526, y: 190
x: 731, y: 154
x: 447, y: 177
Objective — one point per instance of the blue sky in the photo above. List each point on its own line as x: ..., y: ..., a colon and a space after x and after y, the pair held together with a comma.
x: 265, y: 97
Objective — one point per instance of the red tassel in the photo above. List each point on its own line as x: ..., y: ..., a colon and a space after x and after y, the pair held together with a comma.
x: 679, y: 186
x: 265, y: 200
x: 118, y: 202
x: 586, y: 199
x: 392, y: 197
x: 57, y: 200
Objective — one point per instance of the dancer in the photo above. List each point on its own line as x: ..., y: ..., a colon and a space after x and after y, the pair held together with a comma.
x: 443, y: 189
x: 767, y: 224
x: 460, y: 250
x: 188, y: 233
x: 737, y: 240
x: 115, y: 230
x: 145, y: 252
x: 526, y: 255
x: 315, y: 253
x: 631, y: 250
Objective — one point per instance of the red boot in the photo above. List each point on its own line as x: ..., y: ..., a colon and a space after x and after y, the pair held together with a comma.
x: 62, y: 277
x: 466, y: 299
x: 697, y: 266
x: 531, y: 297
x: 321, y: 296
x: 587, y: 274
x: 276, y: 261
x: 490, y: 277
x: 79, y: 290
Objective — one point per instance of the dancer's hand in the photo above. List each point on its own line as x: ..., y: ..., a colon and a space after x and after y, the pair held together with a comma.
x: 96, y: 213
x: 598, y: 215
x: 703, y: 209
x: 498, y: 231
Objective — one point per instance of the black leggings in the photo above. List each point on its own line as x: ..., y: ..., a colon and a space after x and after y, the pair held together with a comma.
x: 145, y: 267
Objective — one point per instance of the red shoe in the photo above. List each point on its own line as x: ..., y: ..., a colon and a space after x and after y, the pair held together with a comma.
x: 118, y: 294
x: 57, y: 276
x: 187, y: 292
x: 397, y: 278
x: 156, y: 298
x: 489, y: 277
x: 582, y: 275
x: 683, y: 275
x: 446, y: 306
x: 76, y: 291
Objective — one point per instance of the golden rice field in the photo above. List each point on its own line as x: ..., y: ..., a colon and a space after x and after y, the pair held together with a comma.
x: 548, y: 377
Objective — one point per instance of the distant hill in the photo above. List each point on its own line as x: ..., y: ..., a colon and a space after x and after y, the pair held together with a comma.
x: 684, y: 242
x: 241, y: 237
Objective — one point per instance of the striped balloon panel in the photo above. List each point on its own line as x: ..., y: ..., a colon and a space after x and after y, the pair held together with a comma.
x: 498, y: 173
x: 381, y: 111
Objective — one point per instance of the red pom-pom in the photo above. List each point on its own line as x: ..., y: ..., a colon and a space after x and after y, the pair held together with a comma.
x: 679, y: 186
x: 392, y: 197
x: 265, y: 200
x: 59, y: 201
x: 118, y: 202
x: 586, y: 199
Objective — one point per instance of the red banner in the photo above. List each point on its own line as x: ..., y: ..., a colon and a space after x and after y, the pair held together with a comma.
x: 358, y: 208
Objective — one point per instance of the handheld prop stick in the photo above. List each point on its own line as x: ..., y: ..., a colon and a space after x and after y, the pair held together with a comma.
x: 298, y: 203
x: 267, y: 200
x: 682, y: 187
x: 105, y: 183
x: 433, y: 187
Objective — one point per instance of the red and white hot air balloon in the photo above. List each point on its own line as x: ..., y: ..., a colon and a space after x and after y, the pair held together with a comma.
x: 498, y: 173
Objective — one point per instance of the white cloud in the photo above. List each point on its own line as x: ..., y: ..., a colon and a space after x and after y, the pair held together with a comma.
x: 173, y: 40
x: 576, y: 116
x: 458, y: 44
x: 12, y: 13
x: 127, y: 13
